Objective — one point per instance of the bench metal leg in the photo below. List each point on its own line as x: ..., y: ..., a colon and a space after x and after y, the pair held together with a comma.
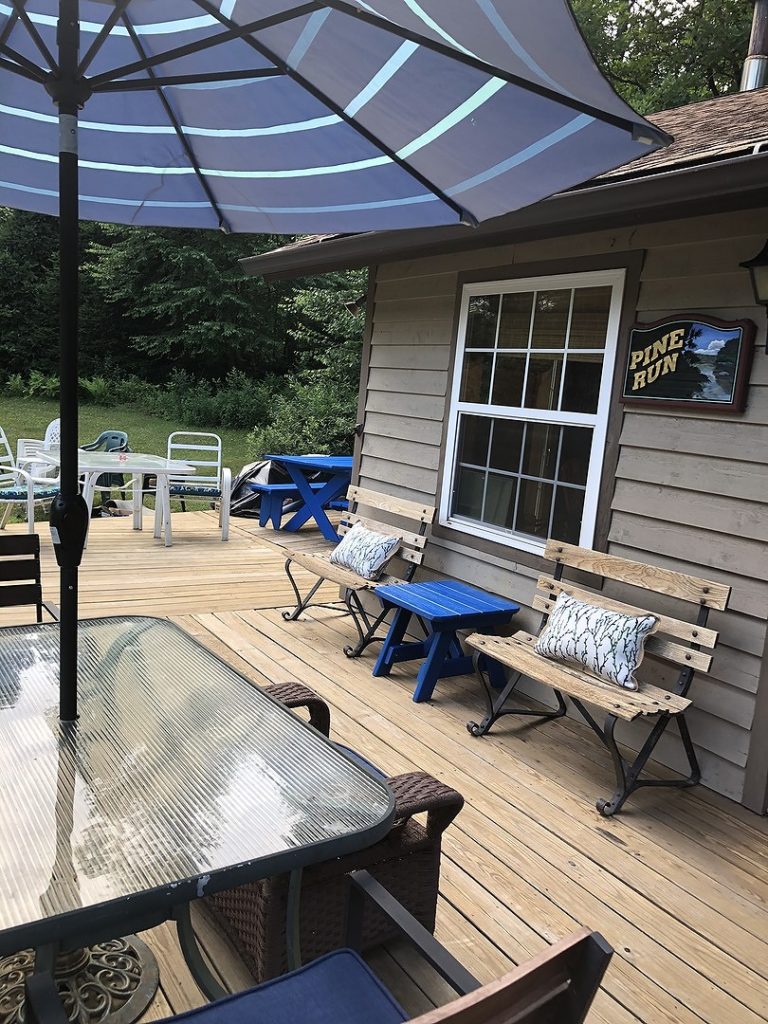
x: 628, y: 773
x: 361, y: 618
x: 302, y: 603
x: 497, y: 700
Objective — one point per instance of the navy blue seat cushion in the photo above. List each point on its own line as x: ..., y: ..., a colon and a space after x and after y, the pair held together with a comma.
x: 362, y: 761
x: 335, y: 989
x: 190, y: 491
x: 20, y: 493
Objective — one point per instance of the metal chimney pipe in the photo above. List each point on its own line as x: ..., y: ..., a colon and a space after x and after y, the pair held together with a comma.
x: 755, y: 73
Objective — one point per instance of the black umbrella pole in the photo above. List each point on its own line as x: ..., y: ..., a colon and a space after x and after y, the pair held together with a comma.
x: 69, y: 245
x: 69, y: 516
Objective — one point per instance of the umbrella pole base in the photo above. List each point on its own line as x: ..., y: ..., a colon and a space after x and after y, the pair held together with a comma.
x: 112, y: 982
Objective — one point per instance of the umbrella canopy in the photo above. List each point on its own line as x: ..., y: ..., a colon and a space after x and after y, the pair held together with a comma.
x: 267, y: 115
x: 285, y: 117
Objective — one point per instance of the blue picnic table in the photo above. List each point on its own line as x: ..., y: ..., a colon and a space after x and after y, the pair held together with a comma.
x: 442, y: 607
x: 316, y: 499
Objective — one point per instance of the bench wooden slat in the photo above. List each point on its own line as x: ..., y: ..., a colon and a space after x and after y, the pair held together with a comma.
x: 640, y: 574
x: 389, y: 503
x: 678, y: 628
x: 516, y: 653
x: 321, y: 566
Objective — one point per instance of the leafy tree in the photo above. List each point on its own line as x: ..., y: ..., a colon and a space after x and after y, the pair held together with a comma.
x: 663, y: 53
x: 183, y: 302
x: 317, y: 411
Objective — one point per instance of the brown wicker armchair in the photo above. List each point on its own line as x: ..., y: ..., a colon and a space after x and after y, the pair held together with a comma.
x: 406, y: 862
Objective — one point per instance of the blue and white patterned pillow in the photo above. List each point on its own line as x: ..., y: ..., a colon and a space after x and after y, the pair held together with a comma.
x: 610, y: 644
x: 365, y: 551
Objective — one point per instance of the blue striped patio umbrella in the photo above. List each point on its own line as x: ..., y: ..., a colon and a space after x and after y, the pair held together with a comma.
x: 283, y: 117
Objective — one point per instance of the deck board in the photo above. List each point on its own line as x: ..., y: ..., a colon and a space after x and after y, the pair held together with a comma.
x: 678, y: 883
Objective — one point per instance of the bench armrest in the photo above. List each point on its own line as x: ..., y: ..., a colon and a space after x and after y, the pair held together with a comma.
x: 363, y: 886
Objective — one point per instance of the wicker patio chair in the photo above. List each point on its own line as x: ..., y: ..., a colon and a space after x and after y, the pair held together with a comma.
x: 406, y: 862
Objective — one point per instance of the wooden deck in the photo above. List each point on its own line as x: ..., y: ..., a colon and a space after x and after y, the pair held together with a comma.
x: 678, y: 884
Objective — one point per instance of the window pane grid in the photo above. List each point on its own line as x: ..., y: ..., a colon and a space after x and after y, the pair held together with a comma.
x: 528, y: 405
x: 480, y: 497
x: 558, y: 383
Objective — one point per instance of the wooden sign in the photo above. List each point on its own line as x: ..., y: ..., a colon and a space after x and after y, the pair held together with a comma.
x: 689, y: 362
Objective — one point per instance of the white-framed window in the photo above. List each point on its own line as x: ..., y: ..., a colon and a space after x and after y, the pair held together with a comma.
x: 529, y: 408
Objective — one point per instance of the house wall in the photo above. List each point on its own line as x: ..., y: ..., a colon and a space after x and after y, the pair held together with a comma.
x: 690, y: 490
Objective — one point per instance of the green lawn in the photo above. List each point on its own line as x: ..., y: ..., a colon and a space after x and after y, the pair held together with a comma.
x: 28, y: 417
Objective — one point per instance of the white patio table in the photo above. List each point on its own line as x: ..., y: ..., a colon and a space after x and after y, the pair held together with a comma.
x: 180, y: 778
x: 92, y: 465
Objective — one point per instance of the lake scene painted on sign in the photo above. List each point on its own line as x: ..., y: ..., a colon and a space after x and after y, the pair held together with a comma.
x: 684, y: 361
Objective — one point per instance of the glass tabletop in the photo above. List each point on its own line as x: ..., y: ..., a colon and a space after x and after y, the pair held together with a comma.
x: 110, y: 462
x: 179, y: 778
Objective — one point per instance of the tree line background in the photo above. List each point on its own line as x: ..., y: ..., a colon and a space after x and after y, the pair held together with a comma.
x: 170, y: 323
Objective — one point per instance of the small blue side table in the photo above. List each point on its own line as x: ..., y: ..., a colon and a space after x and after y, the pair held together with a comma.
x: 442, y: 607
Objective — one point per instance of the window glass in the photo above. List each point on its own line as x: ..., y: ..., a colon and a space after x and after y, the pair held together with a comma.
x: 469, y: 492
x: 540, y: 450
x: 574, y: 455
x: 474, y: 434
x: 542, y: 390
x: 482, y: 317
x: 534, y: 507
x: 589, y: 319
x: 550, y: 321
x: 476, y: 382
x: 508, y: 380
x: 581, y: 387
x: 500, y: 500
x: 515, y: 324
x: 566, y: 520
x: 506, y: 444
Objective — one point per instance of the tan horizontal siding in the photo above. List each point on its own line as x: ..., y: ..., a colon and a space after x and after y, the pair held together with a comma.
x: 419, y: 288
x: 387, y: 424
x: 721, y: 439
x: 724, y: 515
x: 691, y: 488
x: 416, y: 382
x: 695, y: 473
x: 392, y: 403
x: 392, y: 487
x: 386, y: 471
x: 408, y: 453
x: 411, y: 357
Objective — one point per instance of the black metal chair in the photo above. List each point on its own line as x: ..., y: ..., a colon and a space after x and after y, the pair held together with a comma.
x: 20, y: 574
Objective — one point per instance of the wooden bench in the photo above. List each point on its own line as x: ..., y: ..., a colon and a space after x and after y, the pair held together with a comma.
x: 676, y: 641
x: 365, y: 506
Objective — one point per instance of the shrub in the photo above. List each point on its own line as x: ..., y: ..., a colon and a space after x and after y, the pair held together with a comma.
x: 98, y: 390
x: 42, y: 385
x: 316, y: 414
x: 16, y: 386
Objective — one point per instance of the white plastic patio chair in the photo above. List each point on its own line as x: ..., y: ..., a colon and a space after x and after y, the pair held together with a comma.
x: 20, y: 487
x: 211, y: 481
x: 28, y: 447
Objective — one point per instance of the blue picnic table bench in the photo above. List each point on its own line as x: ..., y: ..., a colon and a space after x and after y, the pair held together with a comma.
x: 442, y: 607
x: 307, y: 499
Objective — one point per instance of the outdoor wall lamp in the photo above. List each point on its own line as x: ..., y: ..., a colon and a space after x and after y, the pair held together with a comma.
x: 758, y: 272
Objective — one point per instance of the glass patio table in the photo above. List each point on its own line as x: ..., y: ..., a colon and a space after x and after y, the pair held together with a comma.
x: 92, y: 465
x: 179, y: 779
